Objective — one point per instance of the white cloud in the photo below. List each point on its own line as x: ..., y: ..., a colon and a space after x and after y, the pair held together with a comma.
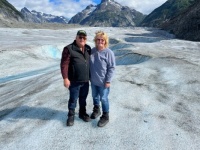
x: 69, y: 8
x: 144, y: 6
x: 18, y: 4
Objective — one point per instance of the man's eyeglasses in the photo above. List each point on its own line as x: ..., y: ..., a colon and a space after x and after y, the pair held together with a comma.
x: 82, y: 37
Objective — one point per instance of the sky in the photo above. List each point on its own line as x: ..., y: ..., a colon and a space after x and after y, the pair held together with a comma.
x: 69, y: 8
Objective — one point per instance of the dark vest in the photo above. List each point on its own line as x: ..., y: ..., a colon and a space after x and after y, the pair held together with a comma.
x: 79, y: 63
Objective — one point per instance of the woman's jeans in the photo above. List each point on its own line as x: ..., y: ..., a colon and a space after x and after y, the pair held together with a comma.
x: 100, y: 94
x: 78, y: 90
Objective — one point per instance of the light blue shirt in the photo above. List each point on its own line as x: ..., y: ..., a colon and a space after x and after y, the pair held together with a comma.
x: 102, y: 66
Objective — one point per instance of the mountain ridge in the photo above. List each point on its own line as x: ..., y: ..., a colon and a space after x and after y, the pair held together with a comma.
x: 168, y: 10
x: 39, y: 17
x: 108, y: 13
x: 10, y: 15
x: 9, y: 12
x: 187, y: 24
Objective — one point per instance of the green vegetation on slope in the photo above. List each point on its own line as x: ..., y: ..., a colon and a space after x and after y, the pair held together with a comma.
x: 168, y: 10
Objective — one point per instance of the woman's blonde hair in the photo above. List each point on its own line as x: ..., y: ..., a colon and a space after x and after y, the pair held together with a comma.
x: 103, y: 35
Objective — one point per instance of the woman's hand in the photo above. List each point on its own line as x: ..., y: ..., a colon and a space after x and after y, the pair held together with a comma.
x: 107, y: 85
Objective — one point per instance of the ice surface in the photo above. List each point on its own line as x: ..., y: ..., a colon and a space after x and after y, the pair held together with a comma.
x: 154, y: 98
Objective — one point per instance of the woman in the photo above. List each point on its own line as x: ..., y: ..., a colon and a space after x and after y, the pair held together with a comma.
x: 102, y: 66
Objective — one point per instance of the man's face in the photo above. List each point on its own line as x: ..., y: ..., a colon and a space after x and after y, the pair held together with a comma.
x: 81, y: 40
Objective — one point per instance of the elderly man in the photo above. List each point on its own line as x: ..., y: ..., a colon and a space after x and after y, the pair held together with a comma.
x: 75, y: 72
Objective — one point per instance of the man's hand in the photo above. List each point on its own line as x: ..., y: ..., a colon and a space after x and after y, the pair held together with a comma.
x: 66, y: 83
x: 107, y: 85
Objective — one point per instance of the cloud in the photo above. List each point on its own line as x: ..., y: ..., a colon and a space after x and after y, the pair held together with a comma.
x: 69, y: 8
x: 144, y: 6
x: 18, y: 4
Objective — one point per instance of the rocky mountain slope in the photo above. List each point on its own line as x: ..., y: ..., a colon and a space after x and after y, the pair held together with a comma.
x: 8, y: 12
x: 82, y: 15
x: 39, y: 17
x: 187, y: 24
x: 108, y: 13
x: 168, y: 10
x: 11, y: 17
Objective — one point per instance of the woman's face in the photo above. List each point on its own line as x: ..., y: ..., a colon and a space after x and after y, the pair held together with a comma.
x: 100, y: 43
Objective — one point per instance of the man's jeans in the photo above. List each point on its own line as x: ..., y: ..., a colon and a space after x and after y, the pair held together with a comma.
x: 78, y: 90
x: 100, y: 94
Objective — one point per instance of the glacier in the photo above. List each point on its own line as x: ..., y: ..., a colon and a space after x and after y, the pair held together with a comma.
x: 154, y: 97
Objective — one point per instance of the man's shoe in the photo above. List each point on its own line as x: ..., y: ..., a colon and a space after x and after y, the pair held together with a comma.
x: 70, y: 120
x: 96, y: 112
x: 103, y: 120
x: 84, y: 116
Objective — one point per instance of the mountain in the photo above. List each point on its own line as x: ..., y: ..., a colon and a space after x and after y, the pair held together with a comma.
x: 29, y: 17
x: 38, y: 17
x: 10, y: 16
x: 168, y: 10
x: 8, y: 12
x: 187, y: 24
x: 108, y: 13
x: 82, y: 15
